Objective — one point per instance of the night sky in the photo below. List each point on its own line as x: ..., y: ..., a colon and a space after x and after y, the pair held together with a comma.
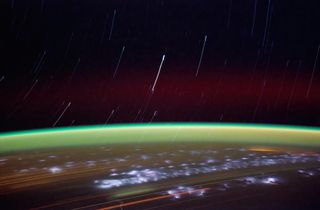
x: 82, y: 62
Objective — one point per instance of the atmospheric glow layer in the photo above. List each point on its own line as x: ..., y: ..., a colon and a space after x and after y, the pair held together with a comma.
x: 158, y: 133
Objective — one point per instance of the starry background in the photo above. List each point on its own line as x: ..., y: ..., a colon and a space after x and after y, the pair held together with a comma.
x: 80, y: 62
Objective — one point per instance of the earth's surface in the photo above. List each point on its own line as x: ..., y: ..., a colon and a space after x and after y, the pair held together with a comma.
x: 161, y: 166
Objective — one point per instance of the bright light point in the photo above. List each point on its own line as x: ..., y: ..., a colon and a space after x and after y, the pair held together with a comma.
x: 250, y: 180
x: 270, y: 180
x: 55, y: 169
x: 181, y: 190
x: 107, y: 184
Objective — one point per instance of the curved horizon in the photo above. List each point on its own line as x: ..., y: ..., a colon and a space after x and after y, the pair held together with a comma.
x: 91, y: 135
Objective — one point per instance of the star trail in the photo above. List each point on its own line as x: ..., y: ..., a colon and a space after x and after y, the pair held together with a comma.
x: 160, y: 61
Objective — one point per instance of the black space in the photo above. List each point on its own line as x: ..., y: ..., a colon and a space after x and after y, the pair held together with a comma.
x: 41, y: 42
